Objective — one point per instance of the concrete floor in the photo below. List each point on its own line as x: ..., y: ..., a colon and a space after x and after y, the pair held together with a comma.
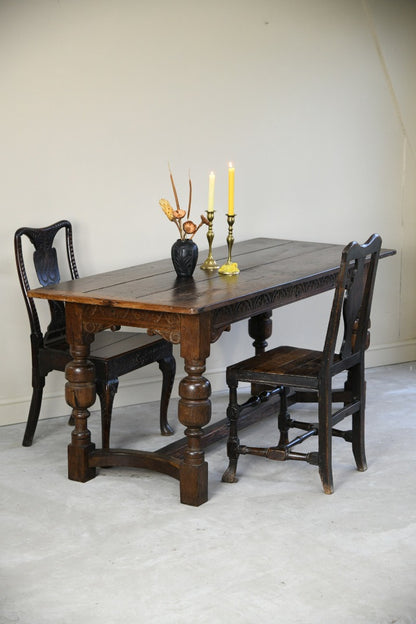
x: 272, y: 547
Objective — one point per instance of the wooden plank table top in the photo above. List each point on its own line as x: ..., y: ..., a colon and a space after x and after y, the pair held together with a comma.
x: 264, y: 264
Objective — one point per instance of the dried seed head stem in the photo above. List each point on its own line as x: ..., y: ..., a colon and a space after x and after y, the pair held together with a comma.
x: 190, y: 198
x: 174, y: 189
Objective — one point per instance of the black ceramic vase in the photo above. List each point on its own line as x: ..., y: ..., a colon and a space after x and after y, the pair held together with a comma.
x: 184, y: 257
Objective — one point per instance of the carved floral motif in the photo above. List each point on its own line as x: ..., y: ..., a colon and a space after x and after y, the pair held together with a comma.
x: 272, y: 299
x: 165, y: 325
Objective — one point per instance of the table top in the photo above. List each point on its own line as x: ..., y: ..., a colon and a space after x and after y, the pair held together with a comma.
x: 265, y: 265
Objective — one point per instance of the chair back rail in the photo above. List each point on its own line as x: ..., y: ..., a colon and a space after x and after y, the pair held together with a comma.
x: 352, y: 299
x: 47, y: 270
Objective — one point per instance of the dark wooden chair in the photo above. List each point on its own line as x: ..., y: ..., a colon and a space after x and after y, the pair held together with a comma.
x: 114, y: 353
x: 303, y: 375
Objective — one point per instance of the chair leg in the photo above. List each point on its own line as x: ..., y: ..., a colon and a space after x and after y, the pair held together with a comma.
x: 284, y: 419
x: 106, y: 392
x: 34, y: 411
x: 325, y: 439
x: 233, y: 442
x: 357, y: 384
x: 168, y: 368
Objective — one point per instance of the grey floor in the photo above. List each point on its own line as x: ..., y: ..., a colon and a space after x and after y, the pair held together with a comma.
x: 272, y: 547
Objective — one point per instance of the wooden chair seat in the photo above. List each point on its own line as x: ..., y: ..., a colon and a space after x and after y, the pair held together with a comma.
x: 305, y: 375
x: 111, y: 349
x: 300, y: 366
x: 113, y: 353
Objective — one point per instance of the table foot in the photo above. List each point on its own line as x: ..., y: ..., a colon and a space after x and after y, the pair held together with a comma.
x: 194, y: 484
x: 78, y: 463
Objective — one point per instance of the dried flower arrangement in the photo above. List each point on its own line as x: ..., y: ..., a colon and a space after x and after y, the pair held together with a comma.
x: 188, y: 229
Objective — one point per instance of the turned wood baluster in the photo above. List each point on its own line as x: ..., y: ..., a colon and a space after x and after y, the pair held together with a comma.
x: 80, y: 395
x: 260, y: 328
x: 194, y: 409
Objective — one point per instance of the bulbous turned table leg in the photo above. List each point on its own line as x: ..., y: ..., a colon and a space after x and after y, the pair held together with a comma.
x: 194, y: 413
x: 260, y: 328
x: 80, y: 394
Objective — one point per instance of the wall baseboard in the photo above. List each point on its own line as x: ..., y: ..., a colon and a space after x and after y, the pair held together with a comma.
x: 148, y: 390
x: 54, y: 405
x: 395, y: 353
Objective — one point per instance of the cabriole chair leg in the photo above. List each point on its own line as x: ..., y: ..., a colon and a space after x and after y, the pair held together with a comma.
x: 34, y: 411
x: 168, y: 368
x: 106, y: 392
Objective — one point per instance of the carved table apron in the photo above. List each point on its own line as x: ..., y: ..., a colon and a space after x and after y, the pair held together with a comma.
x: 193, y: 313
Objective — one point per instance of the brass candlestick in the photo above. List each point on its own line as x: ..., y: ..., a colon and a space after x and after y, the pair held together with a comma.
x: 229, y: 268
x: 210, y: 264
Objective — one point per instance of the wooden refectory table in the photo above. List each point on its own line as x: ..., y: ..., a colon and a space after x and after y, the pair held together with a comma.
x: 192, y: 312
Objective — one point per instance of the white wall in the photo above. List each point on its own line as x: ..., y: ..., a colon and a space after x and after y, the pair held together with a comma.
x: 314, y: 101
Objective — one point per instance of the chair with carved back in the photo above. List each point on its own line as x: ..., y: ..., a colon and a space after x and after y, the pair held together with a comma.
x: 113, y: 353
x: 304, y: 375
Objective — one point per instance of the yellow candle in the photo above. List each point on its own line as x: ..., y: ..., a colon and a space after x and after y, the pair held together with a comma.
x: 231, y: 172
x: 211, y: 188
